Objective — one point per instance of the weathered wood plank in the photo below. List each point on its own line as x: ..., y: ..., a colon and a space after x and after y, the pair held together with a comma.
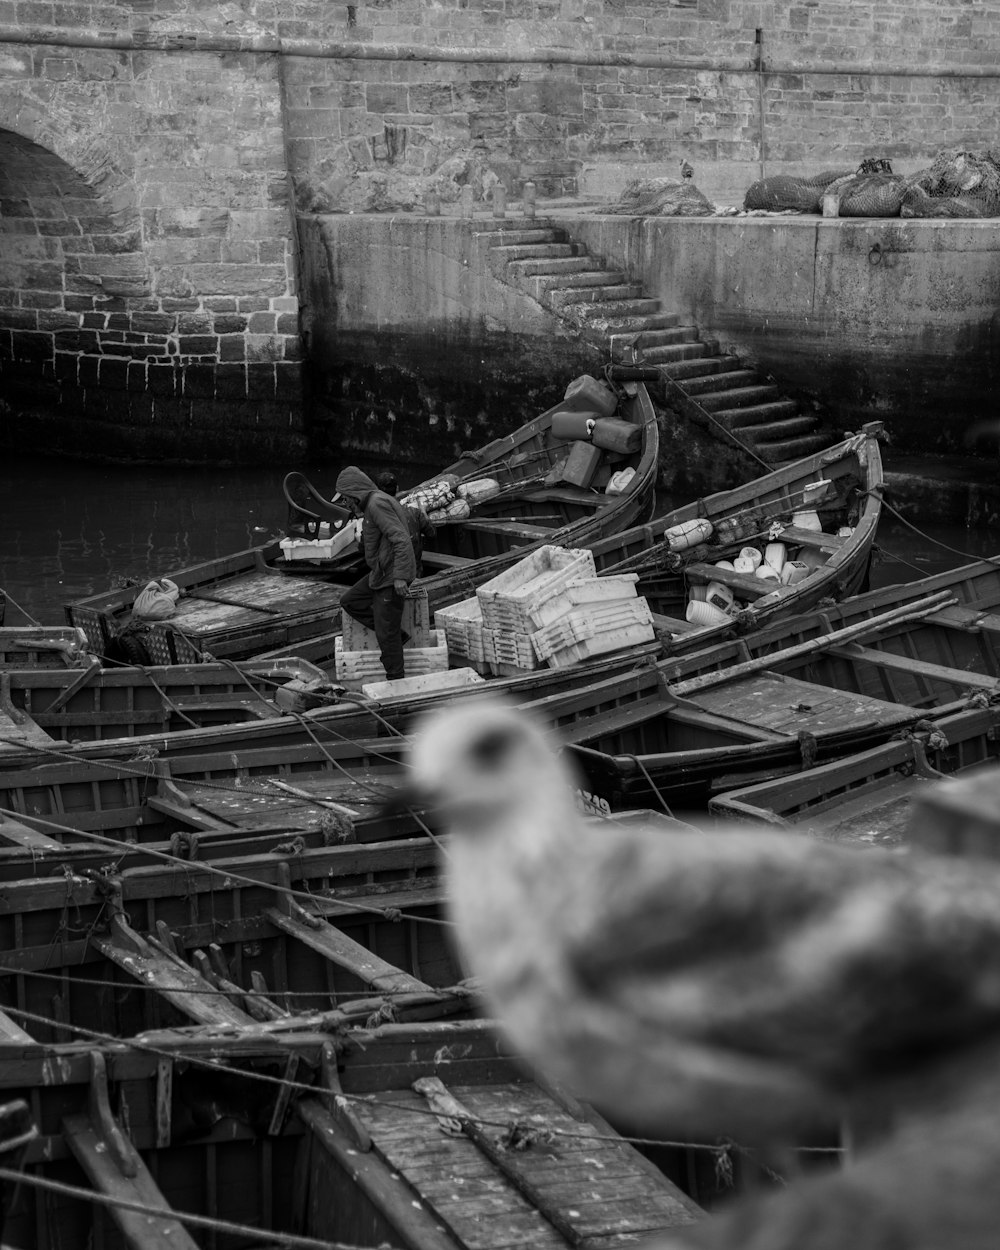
x: 923, y: 668
x: 343, y: 951
x: 176, y: 982
x: 141, y: 1232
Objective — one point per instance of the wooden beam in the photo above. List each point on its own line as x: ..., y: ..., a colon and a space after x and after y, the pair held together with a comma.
x: 11, y: 1031
x: 921, y: 668
x: 343, y: 951
x: 141, y: 1232
x: 176, y: 982
x: 19, y: 834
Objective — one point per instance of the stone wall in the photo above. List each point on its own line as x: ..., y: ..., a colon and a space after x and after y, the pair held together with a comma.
x: 151, y: 154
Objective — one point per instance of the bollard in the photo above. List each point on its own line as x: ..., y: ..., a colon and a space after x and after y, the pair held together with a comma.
x: 499, y: 200
x: 528, y: 198
x: 466, y: 201
x: 432, y: 204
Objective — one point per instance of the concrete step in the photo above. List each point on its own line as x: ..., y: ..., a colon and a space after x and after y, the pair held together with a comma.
x: 632, y: 328
x: 707, y: 365
x: 612, y: 312
x: 552, y: 284
x: 518, y: 234
x: 653, y: 339
x: 759, y: 414
x: 740, y: 397
x: 505, y: 253
x: 792, y: 449
x: 552, y: 265
x: 728, y: 380
x: 776, y: 431
x: 672, y: 353
x: 564, y: 296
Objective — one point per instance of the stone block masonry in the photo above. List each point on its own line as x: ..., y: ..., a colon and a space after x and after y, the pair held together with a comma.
x: 153, y: 157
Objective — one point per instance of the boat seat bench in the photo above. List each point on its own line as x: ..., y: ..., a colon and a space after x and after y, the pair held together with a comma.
x: 919, y: 668
x: 444, y: 560
x: 509, y: 529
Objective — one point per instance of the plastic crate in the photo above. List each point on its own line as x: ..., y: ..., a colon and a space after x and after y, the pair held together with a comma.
x: 509, y: 600
x: 592, y: 624
x: 296, y: 549
x: 591, y: 591
x: 416, y: 623
x: 460, y: 622
x: 509, y: 652
x: 366, y: 666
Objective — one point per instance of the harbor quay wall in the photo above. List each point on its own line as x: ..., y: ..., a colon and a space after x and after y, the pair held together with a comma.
x: 155, y: 158
x: 870, y: 319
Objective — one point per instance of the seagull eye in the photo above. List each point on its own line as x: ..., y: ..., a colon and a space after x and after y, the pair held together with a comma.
x: 489, y: 750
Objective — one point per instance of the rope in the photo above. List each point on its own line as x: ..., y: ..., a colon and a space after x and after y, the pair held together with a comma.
x: 391, y: 914
x: 24, y: 611
x: 965, y: 555
x: 293, y: 1241
x: 656, y: 789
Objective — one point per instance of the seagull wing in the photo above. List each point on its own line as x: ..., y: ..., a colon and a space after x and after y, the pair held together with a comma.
x: 837, y: 961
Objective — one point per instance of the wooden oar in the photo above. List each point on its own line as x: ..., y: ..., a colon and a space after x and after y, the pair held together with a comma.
x: 230, y: 603
x: 339, y: 808
x: 914, y: 611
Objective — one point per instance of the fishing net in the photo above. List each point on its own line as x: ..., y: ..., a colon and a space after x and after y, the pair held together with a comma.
x: 784, y: 192
x: 660, y: 197
x: 957, y: 184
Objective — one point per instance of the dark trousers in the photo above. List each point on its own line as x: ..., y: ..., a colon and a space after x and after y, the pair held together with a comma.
x: 382, y: 611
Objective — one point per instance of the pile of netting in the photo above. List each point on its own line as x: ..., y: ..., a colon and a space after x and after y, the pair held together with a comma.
x: 660, y: 197
x: 957, y: 184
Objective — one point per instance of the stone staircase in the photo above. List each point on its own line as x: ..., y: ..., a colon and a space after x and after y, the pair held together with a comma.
x: 605, y: 307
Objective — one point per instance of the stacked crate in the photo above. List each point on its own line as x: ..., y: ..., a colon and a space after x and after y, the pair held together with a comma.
x: 552, y: 608
x: 357, y: 652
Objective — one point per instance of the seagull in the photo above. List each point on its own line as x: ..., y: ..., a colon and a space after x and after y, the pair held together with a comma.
x: 737, y: 981
x: 687, y: 171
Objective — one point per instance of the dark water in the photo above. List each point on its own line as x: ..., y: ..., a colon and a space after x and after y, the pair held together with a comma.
x: 67, y: 529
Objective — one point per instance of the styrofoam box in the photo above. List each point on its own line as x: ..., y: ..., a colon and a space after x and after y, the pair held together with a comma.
x: 452, y: 679
x: 367, y: 665
x: 589, y: 590
x: 509, y: 600
x: 319, y: 548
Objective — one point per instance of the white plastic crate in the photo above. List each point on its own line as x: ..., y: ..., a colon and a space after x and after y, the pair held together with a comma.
x: 590, y: 625
x: 509, y: 651
x: 593, y: 592
x: 416, y: 622
x: 363, y: 666
x: 460, y: 622
x: 509, y: 600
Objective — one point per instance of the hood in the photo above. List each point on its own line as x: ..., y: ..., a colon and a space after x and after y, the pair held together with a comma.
x: 351, y: 481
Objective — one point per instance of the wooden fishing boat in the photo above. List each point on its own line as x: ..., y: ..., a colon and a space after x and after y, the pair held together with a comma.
x: 840, y: 485
x: 43, y: 646
x: 243, y: 604
x: 331, y: 1137
x: 798, y: 693
x: 277, y: 1039
x: 868, y: 797
x: 676, y: 732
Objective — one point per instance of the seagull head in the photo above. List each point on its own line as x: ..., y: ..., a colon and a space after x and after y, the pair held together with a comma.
x: 482, y: 762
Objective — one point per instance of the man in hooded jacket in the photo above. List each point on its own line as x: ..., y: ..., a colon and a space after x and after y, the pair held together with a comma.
x: 376, y: 601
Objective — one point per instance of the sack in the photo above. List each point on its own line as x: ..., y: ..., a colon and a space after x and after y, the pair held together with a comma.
x: 157, y: 600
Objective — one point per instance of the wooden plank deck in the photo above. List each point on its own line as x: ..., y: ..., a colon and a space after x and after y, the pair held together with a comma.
x: 583, y: 1188
x: 789, y: 706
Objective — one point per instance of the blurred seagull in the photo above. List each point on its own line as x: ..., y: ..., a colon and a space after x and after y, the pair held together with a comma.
x: 742, y: 982
x: 687, y: 171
